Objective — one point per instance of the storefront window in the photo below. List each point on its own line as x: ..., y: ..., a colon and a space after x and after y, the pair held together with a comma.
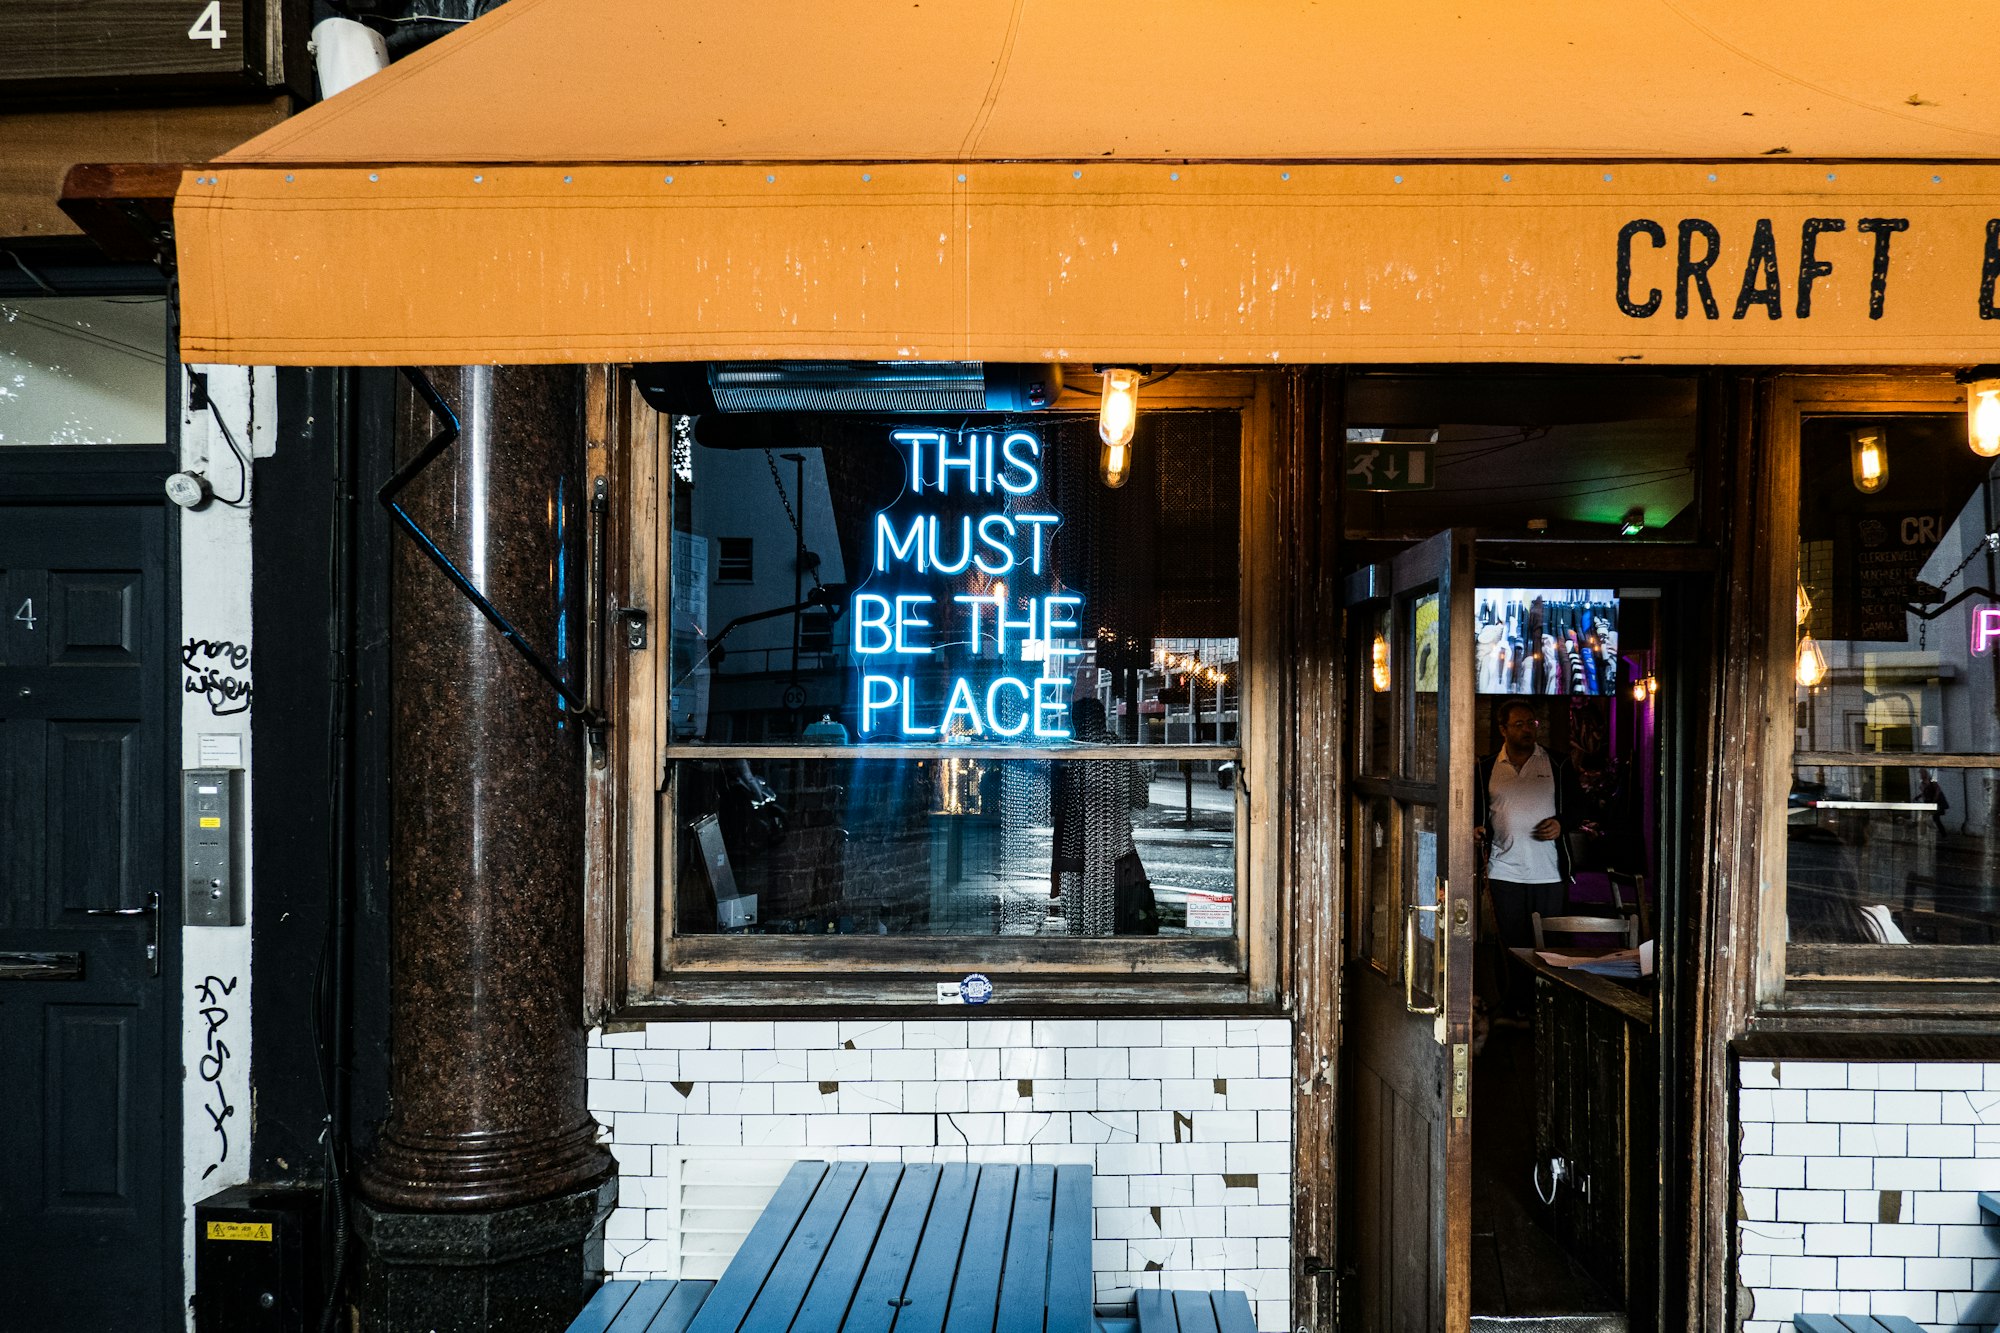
x: 937, y: 679
x: 1893, y: 818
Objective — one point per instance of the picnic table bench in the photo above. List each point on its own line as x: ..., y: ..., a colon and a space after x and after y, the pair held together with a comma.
x: 625, y: 1306
x: 871, y: 1247
x: 1854, y: 1323
x: 1195, y: 1312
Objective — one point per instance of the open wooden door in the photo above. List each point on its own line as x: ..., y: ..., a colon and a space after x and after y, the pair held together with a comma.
x: 1408, y: 998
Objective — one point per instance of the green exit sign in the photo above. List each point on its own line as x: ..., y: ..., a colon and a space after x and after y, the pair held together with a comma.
x: 1389, y: 466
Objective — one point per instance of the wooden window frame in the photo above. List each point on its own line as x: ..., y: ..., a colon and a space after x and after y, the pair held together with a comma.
x: 637, y: 966
x: 1916, y: 982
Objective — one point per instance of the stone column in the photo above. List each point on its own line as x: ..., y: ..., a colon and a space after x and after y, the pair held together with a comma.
x: 488, y: 1182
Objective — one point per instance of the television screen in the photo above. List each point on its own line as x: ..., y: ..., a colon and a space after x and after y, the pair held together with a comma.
x: 1547, y: 640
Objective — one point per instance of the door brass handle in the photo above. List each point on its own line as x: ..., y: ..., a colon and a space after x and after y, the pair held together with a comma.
x: 1410, y: 954
x: 151, y: 909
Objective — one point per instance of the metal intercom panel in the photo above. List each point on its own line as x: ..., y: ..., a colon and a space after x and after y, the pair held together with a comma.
x: 211, y: 833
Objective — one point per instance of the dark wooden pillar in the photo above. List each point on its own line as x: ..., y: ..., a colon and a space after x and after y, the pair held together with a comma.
x: 487, y: 1181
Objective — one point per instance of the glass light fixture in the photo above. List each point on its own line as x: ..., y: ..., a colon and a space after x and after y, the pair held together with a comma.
x: 1639, y: 691
x: 1805, y: 605
x: 1868, y: 450
x: 1117, y: 418
x: 1379, y: 669
x: 1982, y: 411
x: 1811, y: 668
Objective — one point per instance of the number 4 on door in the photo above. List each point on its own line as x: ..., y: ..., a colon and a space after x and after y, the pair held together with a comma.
x: 26, y: 615
x: 209, y: 25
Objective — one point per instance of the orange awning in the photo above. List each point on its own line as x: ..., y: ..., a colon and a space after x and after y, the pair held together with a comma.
x: 1154, y: 182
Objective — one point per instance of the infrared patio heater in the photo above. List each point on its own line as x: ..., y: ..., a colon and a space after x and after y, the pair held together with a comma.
x: 738, y: 405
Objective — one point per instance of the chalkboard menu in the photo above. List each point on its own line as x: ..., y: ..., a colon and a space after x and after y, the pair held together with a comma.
x: 1878, y: 558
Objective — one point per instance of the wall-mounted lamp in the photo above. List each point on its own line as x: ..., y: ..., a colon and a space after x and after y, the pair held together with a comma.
x: 1633, y: 523
x: 1982, y: 409
x: 1811, y: 668
x: 1378, y: 672
x: 1868, y: 451
x: 1117, y: 418
x: 1644, y: 688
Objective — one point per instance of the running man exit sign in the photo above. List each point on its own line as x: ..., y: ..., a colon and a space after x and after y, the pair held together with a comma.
x: 1389, y: 466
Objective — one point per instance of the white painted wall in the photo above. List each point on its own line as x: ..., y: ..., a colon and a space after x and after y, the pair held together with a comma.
x: 1186, y: 1124
x: 1859, y: 1192
x: 216, y: 1109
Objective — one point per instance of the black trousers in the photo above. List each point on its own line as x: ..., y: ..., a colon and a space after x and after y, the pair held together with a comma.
x: 1514, y: 905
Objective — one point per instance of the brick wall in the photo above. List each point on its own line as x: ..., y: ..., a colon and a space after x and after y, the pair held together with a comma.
x: 1858, y: 1192
x: 1186, y: 1124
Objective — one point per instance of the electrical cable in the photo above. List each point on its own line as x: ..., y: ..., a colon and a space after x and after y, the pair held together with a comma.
x: 32, y: 276
x: 242, y: 463
x: 328, y: 1016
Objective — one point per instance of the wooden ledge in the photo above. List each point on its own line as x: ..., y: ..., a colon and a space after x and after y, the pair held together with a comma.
x: 127, y: 208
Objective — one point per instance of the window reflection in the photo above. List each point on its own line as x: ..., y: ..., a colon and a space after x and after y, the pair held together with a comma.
x: 957, y: 846
x: 1897, y: 572
x: 83, y: 370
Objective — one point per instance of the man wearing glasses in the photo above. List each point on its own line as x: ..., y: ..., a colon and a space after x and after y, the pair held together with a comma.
x: 1524, y: 800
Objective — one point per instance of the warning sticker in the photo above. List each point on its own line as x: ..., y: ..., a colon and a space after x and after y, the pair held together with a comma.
x: 1210, y: 911
x: 211, y: 821
x: 239, y: 1231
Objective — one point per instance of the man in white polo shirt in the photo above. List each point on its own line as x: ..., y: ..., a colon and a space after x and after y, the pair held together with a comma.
x: 1524, y: 800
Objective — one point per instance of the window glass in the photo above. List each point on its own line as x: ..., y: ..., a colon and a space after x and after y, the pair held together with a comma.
x: 1373, y: 700
x: 1891, y: 820
x: 1892, y: 855
x: 1375, y: 937
x: 956, y: 846
x: 1423, y: 634
x: 867, y: 715
x: 83, y: 370
x: 913, y: 584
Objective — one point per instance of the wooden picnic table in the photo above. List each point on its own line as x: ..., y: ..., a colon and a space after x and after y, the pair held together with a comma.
x: 879, y: 1247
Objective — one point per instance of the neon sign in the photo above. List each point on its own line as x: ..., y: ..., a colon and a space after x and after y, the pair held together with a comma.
x: 962, y: 595
x: 1985, y: 627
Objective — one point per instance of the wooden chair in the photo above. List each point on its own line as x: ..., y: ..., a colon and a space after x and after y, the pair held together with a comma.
x: 1626, y: 926
x: 1628, y: 896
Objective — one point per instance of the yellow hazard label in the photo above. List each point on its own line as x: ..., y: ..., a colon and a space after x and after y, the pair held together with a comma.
x: 239, y: 1231
x: 211, y: 821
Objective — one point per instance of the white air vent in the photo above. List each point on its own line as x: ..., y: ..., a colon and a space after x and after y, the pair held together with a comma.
x: 716, y: 1195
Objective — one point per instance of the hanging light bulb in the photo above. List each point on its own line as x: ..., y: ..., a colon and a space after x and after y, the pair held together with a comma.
x: 1868, y: 448
x: 1379, y: 670
x: 1982, y: 410
x: 1117, y: 418
x: 1639, y: 691
x: 1805, y: 605
x: 1812, y: 662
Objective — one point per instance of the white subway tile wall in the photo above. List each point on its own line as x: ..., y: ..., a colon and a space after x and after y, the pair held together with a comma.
x: 1186, y: 1125
x: 1858, y: 1189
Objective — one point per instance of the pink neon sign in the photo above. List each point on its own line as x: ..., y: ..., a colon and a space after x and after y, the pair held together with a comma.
x: 1985, y: 627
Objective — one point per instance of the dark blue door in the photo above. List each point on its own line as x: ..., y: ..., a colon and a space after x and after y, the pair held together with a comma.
x: 88, y: 1173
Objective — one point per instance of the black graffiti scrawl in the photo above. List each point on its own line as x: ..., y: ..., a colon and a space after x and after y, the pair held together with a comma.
x: 214, y: 993
x: 219, y: 671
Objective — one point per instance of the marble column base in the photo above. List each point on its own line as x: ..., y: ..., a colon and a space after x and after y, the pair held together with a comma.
x: 525, y: 1269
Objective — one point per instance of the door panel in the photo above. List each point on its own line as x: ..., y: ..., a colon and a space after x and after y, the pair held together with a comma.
x: 89, y: 1234
x: 1409, y: 993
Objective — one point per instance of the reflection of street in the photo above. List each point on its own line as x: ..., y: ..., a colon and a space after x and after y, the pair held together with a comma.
x: 1939, y: 884
x: 1180, y: 855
